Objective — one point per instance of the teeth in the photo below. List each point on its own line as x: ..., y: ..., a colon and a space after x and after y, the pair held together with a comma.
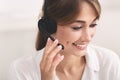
x: 79, y: 45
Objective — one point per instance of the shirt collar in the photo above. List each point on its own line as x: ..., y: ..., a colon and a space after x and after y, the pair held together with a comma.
x: 92, y: 59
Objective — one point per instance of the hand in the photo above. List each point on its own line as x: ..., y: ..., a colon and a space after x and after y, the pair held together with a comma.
x: 50, y: 60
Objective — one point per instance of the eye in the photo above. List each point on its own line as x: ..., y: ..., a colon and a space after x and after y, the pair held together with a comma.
x: 93, y: 25
x: 76, y: 28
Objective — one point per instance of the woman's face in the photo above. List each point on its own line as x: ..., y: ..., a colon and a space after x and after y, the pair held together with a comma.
x: 76, y: 36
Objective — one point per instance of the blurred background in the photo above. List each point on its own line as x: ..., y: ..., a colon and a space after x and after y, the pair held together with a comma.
x: 18, y: 29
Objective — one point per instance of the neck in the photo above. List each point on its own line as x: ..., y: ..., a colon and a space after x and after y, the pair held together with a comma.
x: 71, y: 63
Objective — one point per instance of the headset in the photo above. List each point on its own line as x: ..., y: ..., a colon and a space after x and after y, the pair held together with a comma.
x: 47, y: 26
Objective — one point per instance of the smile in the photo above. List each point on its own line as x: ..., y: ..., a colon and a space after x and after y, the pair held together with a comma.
x: 80, y: 46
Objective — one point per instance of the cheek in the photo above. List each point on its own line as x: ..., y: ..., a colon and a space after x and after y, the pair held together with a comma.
x: 68, y: 37
x: 93, y: 31
x: 65, y: 36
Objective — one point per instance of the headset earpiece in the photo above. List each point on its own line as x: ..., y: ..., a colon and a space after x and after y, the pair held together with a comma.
x: 47, y: 24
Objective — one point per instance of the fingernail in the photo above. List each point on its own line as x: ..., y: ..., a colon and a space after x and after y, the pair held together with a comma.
x: 59, y: 47
x: 62, y: 57
x: 56, y: 41
x: 48, y: 40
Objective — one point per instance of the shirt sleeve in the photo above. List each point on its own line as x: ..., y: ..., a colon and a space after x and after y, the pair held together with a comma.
x: 14, y: 72
x: 116, y: 68
x: 110, y: 65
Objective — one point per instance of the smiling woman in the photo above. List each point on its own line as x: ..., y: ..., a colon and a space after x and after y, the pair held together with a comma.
x: 72, y: 24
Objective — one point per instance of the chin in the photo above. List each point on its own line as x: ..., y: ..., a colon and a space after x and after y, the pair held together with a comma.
x: 80, y: 53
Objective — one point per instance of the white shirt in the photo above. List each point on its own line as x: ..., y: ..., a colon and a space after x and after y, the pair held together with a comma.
x: 102, y: 64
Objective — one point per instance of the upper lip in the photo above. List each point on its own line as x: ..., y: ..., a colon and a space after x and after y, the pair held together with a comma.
x: 80, y: 43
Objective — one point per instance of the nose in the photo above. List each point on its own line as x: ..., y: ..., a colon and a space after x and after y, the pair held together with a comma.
x: 86, y: 35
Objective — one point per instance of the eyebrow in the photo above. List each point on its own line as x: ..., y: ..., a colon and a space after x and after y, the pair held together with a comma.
x: 81, y: 21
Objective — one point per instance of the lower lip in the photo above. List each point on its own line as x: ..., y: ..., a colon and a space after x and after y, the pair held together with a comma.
x: 80, y: 48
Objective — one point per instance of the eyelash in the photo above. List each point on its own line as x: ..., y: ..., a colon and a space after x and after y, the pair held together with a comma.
x: 78, y: 28
x: 93, y: 25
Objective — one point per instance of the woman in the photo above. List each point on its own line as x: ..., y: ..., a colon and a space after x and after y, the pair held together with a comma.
x: 74, y: 24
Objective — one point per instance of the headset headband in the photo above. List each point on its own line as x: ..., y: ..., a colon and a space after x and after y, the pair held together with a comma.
x: 45, y: 9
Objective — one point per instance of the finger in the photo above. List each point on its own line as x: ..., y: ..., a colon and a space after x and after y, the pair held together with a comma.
x: 49, y: 50
x: 48, y: 44
x: 56, y: 61
x: 52, y: 46
x: 51, y: 57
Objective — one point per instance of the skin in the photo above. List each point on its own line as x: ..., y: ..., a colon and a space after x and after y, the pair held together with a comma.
x: 69, y: 64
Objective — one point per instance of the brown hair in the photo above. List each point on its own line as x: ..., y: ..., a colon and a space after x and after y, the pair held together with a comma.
x: 64, y: 12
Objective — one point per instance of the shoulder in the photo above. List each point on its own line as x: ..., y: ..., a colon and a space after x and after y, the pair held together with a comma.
x: 24, y: 64
x: 104, y: 53
x: 109, y: 62
x: 26, y: 67
x: 101, y: 57
x: 104, y: 56
x: 29, y: 61
x: 107, y: 58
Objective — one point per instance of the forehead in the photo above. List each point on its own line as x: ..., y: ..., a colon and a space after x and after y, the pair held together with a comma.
x: 86, y: 12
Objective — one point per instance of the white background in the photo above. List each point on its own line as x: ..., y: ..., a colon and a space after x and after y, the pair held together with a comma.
x: 18, y: 29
